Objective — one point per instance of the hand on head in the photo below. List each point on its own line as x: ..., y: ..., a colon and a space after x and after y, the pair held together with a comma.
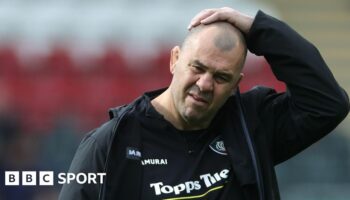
x: 242, y: 21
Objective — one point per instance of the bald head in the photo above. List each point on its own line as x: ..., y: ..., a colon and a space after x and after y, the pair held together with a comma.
x: 226, y: 36
x: 222, y: 35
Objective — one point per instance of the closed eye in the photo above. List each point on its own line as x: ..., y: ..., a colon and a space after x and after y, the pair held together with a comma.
x: 197, y: 69
x: 222, y: 78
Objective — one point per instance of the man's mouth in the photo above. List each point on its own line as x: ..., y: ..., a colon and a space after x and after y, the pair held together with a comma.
x: 198, y: 98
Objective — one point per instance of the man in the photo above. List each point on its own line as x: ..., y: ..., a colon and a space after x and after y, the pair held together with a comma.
x: 201, y: 139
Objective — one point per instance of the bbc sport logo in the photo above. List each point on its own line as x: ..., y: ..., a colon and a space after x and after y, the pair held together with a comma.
x: 47, y: 178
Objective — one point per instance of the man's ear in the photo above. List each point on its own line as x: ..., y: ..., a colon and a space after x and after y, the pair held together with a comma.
x: 174, y: 57
x: 234, y: 88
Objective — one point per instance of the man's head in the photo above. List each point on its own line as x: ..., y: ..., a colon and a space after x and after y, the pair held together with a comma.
x: 206, y: 71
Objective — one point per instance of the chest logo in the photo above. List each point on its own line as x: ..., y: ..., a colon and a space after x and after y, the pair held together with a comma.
x: 218, y: 146
x: 133, y: 153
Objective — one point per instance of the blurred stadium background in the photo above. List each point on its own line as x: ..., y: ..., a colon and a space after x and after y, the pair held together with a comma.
x: 64, y: 63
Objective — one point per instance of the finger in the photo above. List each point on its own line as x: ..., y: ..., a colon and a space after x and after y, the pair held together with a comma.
x: 199, y: 17
x: 212, y: 18
x: 203, y: 14
x: 196, y: 20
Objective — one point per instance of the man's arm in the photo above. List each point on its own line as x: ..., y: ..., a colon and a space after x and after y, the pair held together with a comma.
x: 313, y: 105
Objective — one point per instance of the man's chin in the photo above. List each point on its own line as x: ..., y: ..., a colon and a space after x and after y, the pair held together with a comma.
x: 195, y: 117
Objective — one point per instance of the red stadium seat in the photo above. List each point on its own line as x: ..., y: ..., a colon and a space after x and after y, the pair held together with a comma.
x: 111, y: 63
x: 9, y: 63
x: 59, y: 62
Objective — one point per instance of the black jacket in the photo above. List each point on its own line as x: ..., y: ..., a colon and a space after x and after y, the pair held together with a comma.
x: 280, y: 124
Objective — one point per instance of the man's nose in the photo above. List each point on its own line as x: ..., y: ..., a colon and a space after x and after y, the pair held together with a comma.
x: 205, y: 82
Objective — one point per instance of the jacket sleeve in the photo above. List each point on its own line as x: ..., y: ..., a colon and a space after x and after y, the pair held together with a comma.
x: 313, y: 105
x: 89, y: 158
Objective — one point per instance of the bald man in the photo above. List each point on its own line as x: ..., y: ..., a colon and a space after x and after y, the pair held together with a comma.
x: 200, y: 138
x: 206, y: 71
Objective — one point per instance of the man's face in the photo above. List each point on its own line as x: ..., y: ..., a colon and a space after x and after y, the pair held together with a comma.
x: 203, y: 79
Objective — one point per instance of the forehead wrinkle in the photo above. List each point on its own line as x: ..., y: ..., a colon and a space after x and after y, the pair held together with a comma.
x: 213, y: 70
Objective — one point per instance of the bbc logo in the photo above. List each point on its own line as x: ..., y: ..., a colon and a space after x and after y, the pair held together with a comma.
x: 29, y: 178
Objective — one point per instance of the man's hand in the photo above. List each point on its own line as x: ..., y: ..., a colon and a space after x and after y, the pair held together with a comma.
x: 237, y: 19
